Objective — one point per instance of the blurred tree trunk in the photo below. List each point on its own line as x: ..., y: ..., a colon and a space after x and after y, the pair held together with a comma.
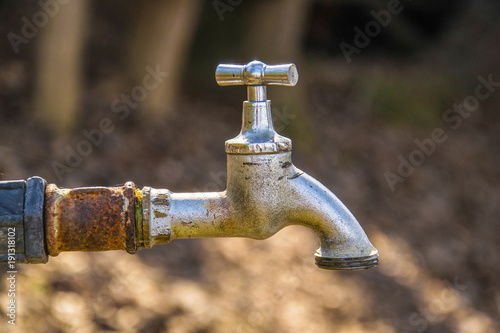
x: 59, y: 63
x: 277, y: 36
x: 164, y: 33
x: 278, y: 31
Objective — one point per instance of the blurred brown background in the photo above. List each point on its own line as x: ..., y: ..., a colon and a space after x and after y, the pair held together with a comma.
x: 67, y: 65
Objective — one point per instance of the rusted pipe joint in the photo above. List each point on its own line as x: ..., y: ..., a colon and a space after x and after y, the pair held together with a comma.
x: 90, y: 219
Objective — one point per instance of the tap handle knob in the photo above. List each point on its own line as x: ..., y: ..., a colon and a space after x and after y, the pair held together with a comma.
x: 256, y: 73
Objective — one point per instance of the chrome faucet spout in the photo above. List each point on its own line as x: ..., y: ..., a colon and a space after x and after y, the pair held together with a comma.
x: 265, y: 193
x: 344, y: 244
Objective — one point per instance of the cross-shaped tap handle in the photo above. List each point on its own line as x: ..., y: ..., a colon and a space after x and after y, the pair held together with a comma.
x: 256, y: 75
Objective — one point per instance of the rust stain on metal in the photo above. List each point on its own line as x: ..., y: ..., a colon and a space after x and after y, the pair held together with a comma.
x: 161, y: 199
x: 221, y: 209
x: 90, y: 219
x: 159, y: 214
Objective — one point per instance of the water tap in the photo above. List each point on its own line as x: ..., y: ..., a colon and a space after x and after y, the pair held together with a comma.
x: 265, y: 192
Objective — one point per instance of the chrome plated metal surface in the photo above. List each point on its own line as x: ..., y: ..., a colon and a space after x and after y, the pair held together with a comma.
x: 256, y: 73
x: 265, y: 191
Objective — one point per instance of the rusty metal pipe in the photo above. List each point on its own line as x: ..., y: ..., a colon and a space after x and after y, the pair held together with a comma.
x: 90, y: 219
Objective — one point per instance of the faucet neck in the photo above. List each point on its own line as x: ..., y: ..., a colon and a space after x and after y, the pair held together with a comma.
x: 257, y: 93
x: 257, y: 121
x: 257, y: 134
